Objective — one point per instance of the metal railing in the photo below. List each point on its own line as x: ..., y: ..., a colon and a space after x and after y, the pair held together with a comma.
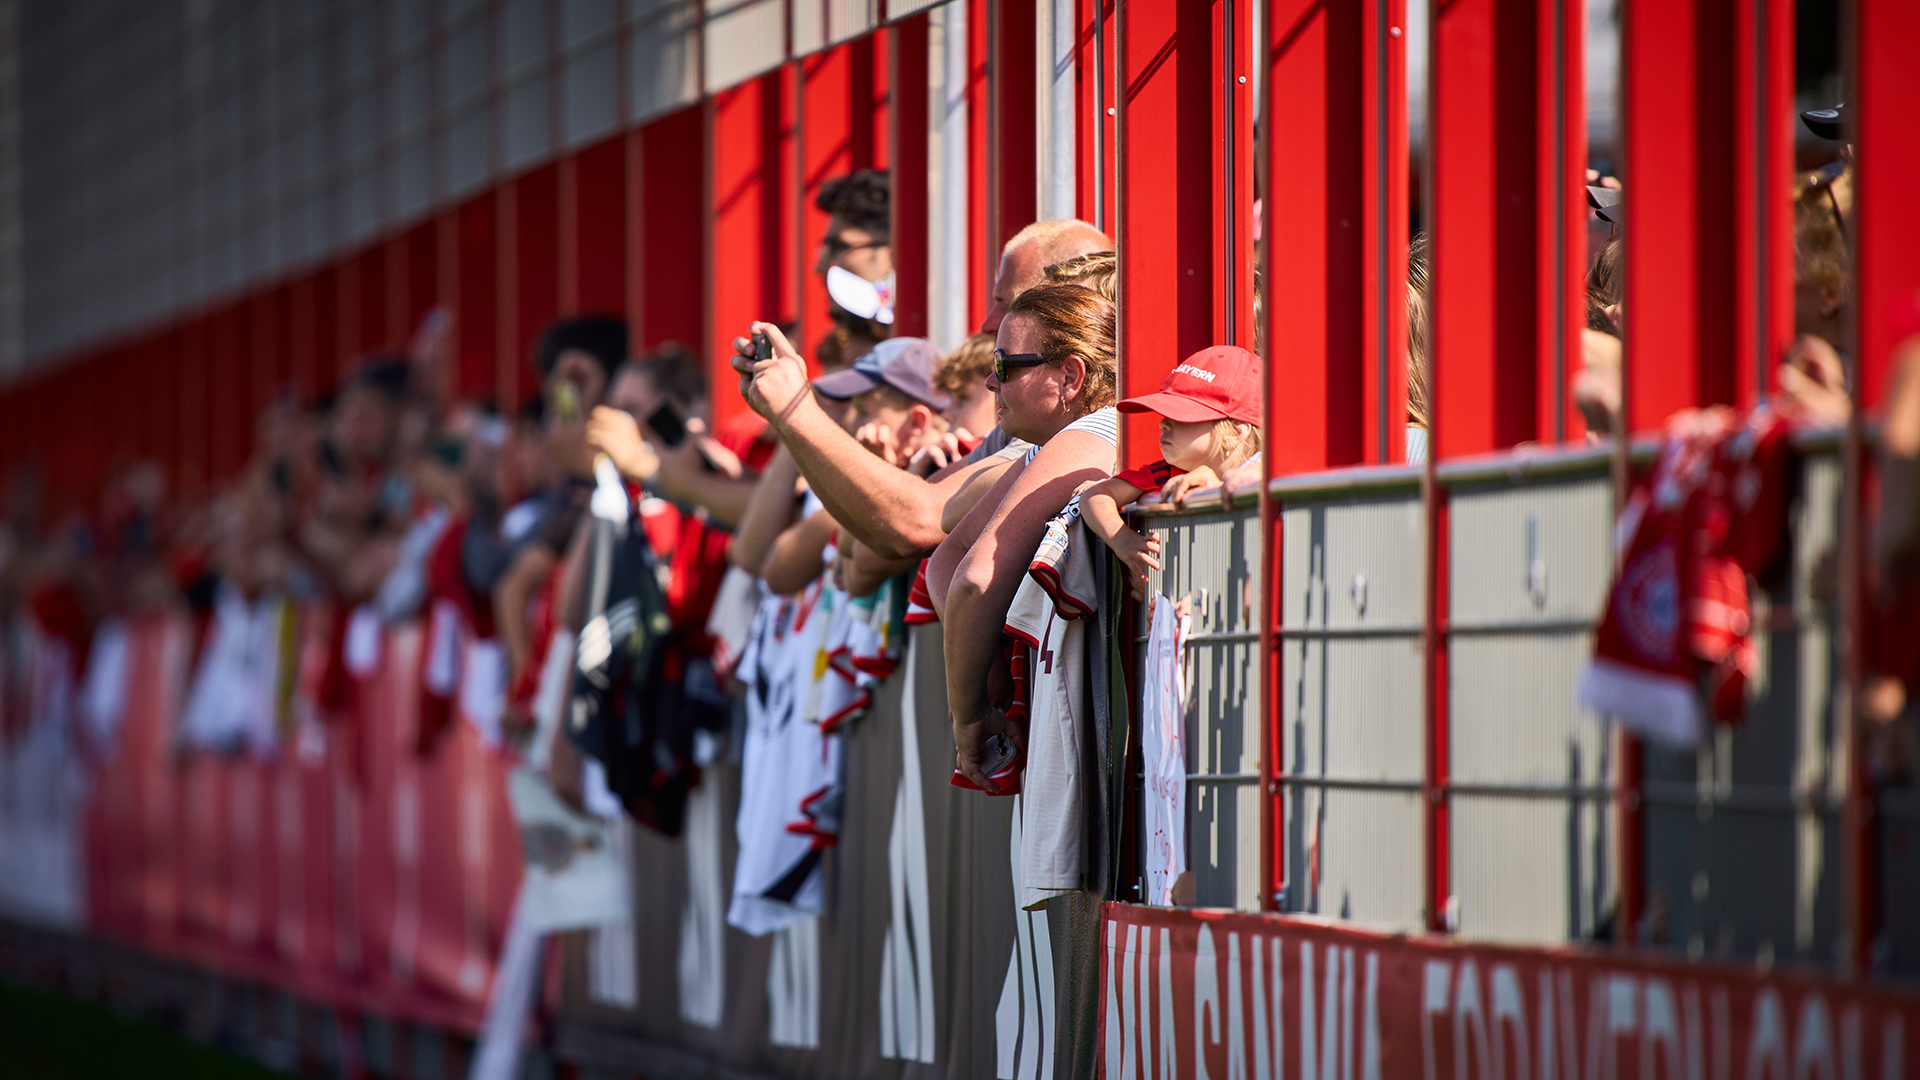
x: 1738, y: 842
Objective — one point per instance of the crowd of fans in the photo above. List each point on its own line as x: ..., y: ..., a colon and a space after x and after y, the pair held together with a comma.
x: 883, y: 467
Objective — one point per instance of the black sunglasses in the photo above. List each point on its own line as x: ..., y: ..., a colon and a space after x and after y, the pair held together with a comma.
x: 836, y: 247
x: 1004, y: 361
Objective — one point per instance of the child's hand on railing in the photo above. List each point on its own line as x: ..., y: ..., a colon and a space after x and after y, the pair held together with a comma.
x: 1138, y: 554
x: 1175, y: 491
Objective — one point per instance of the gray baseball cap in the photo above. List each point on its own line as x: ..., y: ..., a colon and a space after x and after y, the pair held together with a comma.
x: 906, y: 364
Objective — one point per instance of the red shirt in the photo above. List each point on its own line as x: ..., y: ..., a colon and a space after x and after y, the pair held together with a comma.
x: 700, y: 553
x: 1150, y: 478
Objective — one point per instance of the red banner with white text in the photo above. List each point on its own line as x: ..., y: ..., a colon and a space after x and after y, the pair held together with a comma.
x: 1214, y: 994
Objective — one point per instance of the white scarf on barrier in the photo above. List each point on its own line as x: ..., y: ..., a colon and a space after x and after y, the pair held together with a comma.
x: 1163, y: 717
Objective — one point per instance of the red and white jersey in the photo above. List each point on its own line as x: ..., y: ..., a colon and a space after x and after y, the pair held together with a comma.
x: 777, y: 880
x: 1054, y: 787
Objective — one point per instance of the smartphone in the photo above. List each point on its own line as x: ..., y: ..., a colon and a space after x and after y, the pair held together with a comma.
x: 762, y: 346
x: 566, y: 402
x: 997, y: 754
x: 667, y: 423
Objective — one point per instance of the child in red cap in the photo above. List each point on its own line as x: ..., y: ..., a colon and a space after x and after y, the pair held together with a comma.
x: 1209, y: 425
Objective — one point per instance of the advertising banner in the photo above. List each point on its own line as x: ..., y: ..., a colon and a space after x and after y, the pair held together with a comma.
x: 1215, y: 994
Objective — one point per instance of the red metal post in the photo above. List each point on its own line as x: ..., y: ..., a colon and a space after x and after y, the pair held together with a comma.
x: 190, y: 398
x: 227, y: 423
x: 744, y: 225
x: 503, y: 300
x: 826, y: 151
x: 982, y: 233
x: 1232, y: 109
x: 1384, y: 229
x: 1886, y: 84
x: 1094, y: 133
x: 1884, y: 229
x: 567, y: 236
x: 870, y: 126
x: 795, y: 251
x: 908, y: 111
x: 1677, y: 116
x: 397, y: 257
x: 527, y: 277
x: 162, y: 383
x: 265, y: 360
x: 1014, y: 108
x: 1763, y: 136
x: 666, y: 234
x: 593, y: 269
x: 1560, y: 134
x: 423, y: 274
x: 472, y: 287
x: 1166, y: 196
x: 375, y: 324
x: 301, y: 342
x: 1486, y: 189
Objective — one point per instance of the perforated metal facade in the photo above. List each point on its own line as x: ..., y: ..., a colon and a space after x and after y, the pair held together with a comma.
x: 178, y: 152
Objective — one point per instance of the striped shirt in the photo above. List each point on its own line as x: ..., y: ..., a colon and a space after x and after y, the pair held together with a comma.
x: 1102, y: 422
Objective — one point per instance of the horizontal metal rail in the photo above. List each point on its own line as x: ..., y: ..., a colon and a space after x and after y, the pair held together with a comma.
x: 1739, y: 799
x: 1235, y: 638
x: 1541, y: 626
x: 1349, y: 783
x: 1515, y: 466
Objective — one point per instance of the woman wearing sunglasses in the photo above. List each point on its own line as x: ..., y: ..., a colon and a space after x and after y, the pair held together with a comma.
x: 1054, y: 383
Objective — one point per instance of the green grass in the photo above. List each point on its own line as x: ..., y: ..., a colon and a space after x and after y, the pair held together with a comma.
x: 48, y: 1037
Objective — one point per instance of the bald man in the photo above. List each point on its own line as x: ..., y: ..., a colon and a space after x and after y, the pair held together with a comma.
x: 1024, y: 261
x: 894, y: 513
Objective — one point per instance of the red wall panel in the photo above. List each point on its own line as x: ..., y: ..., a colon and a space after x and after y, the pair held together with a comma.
x: 1312, y: 158
x: 983, y: 257
x: 872, y: 129
x: 826, y: 152
x: 1679, y: 304
x: 908, y: 41
x: 1093, y: 89
x: 423, y: 274
x: 160, y: 387
x: 1166, y: 197
x: 667, y: 238
x: 329, y: 352
x: 1012, y: 139
x: 190, y: 399
x: 745, y: 217
x: 527, y: 275
x: 1885, y: 228
x: 266, y: 352
x: 593, y: 269
x: 229, y: 422
x: 1483, y: 180
x: 473, y: 285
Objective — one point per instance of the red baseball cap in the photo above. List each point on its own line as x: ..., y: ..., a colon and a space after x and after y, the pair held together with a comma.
x: 1221, y: 382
